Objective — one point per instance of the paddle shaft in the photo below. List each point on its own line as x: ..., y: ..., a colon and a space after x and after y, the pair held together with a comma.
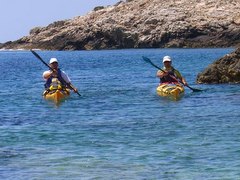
x: 69, y: 84
x: 149, y: 61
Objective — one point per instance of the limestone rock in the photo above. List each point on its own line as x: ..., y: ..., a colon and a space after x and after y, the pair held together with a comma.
x: 142, y: 24
x: 224, y: 70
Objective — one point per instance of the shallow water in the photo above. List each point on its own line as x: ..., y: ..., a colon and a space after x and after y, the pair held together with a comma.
x: 119, y: 128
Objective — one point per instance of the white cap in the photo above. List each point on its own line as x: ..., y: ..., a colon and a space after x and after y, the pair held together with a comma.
x: 166, y: 58
x: 52, y: 60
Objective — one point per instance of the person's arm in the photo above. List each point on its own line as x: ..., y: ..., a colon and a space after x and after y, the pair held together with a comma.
x: 184, y: 81
x: 72, y: 87
x: 47, y: 74
x: 68, y: 81
x: 161, y: 74
x: 180, y: 77
x: 65, y: 77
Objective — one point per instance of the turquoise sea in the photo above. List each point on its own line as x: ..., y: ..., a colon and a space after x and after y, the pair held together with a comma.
x: 119, y: 128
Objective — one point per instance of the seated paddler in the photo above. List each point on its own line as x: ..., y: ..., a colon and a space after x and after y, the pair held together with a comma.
x: 170, y: 74
x: 55, y: 78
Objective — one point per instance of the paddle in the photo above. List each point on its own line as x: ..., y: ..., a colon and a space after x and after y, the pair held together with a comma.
x: 150, y: 62
x: 69, y: 84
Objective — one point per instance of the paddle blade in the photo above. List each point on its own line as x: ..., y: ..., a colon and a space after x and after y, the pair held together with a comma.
x: 194, y: 89
x: 35, y: 54
x: 147, y: 60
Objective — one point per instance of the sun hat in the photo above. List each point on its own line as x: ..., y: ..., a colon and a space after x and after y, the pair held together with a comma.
x: 166, y: 58
x: 52, y: 60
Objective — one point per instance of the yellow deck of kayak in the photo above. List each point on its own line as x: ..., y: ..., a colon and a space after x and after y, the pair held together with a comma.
x: 57, y: 96
x: 172, y: 91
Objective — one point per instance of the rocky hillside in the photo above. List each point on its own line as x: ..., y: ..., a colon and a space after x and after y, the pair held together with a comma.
x: 224, y: 70
x: 142, y: 24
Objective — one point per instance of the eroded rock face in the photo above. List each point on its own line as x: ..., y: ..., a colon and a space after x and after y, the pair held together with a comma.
x: 142, y: 24
x: 224, y: 70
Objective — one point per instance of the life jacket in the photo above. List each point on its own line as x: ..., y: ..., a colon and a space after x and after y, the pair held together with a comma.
x: 54, y: 83
x: 168, y: 78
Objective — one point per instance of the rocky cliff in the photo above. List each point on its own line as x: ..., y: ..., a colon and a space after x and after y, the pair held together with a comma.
x: 224, y: 70
x: 142, y: 24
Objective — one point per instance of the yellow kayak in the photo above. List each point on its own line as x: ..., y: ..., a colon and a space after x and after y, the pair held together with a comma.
x: 57, y: 95
x: 172, y: 91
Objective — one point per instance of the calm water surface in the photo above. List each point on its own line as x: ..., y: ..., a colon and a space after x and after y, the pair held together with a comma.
x: 119, y: 128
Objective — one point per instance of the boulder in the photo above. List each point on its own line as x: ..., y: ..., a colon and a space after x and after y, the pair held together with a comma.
x: 224, y: 70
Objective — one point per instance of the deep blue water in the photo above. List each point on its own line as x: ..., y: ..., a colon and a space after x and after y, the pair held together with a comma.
x: 119, y: 128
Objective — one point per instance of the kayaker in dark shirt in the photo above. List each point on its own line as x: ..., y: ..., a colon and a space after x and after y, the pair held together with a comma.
x: 170, y: 74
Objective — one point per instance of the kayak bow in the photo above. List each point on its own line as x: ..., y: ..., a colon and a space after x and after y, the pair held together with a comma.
x: 170, y: 90
x: 57, y: 96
